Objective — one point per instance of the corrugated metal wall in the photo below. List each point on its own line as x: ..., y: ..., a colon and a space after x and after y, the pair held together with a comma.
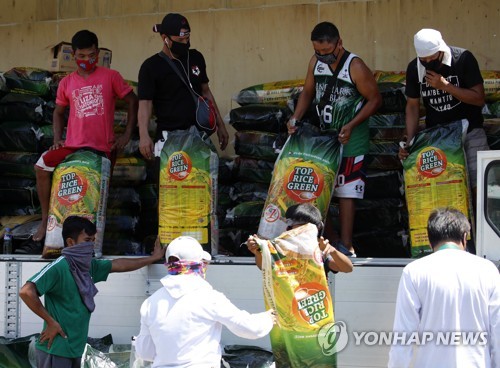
x: 248, y: 42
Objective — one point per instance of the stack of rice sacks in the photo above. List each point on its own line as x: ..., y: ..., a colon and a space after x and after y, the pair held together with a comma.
x: 26, y: 106
x: 260, y: 125
x: 123, y: 234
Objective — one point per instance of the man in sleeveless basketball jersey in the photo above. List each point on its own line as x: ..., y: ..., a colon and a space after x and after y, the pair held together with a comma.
x: 351, y: 98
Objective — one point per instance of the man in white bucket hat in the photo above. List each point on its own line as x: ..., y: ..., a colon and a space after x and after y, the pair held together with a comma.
x: 181, y: 323
x: 449, y: 81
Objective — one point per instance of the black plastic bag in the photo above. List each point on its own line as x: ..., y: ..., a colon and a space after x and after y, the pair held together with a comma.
x: 14, y: 209
x: 14, y: 353
x: 54, y: 83
x: 492, y: 130
x: 387, y: 120
x: 245, y: 215
x: 118, y: 244
x: 383, y: 147
x: 29, y: 80
x: 392, y: 133
x: 385, y: 161
x: 375, y: 214
x: 384, y: 184
x: 258, y: 145
x: 124, y: 198
x: 260, y: 117
x: 19, y: 191
x: 383, y: 243
x: 101, y: 343
x: 121, y: 224
x: 241, y: 356
x: 22, y: 107
x: 128, y: 171
x: 393, y: 97
x: 148, y: 194
x: 254, y: 171
x: 18, y: 164
x: 224, y: 200
x: 226, y: 170
x: 232, y: 241
x: 17, y: 136
x: 245, y: 192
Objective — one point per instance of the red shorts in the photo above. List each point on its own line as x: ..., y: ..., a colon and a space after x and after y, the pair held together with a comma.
x: 49, y: 160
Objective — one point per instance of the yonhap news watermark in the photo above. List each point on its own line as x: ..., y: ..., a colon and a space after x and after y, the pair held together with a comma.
x: 334, y: 337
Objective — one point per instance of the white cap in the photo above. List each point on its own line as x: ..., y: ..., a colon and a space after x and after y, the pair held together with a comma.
x: 187, y: 248
x: 428, y: 42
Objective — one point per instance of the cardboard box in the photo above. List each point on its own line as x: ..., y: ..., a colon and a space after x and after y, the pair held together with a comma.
x: 62, y: 60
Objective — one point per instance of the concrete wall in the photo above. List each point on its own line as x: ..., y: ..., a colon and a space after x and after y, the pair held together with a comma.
x: 246, y: 42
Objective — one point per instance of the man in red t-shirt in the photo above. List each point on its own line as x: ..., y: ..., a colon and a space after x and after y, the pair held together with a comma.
x: 90, y: 92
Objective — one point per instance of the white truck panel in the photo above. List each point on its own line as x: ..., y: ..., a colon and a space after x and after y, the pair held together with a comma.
x: 488, y: 241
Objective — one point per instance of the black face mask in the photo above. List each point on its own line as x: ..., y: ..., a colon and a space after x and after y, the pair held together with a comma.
x: 328, y: 58
x: 433, y: 65
x: 180, y: 49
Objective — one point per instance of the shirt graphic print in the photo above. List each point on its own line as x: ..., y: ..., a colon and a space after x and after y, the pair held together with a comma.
x: 88, y: 101
x: 440, y: 100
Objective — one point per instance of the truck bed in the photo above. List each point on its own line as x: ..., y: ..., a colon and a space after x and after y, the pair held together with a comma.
x: 364, y: 300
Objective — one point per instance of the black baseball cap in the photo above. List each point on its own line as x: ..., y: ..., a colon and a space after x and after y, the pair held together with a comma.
x: 172, y: 24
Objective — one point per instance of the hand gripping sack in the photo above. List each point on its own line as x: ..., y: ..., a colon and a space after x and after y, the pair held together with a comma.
x: 206, y: 118
x: 305, y: 172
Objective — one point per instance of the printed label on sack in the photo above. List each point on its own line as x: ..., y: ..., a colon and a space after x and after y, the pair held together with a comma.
x: 271, y: 213
x: 311, y: 303
x: 304, y: 182
x: 431, y: 162
x: 179, y: 165
x: 72, y: 188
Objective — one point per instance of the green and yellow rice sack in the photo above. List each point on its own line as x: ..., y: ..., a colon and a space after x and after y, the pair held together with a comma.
x: 274, y: 93
x: 305, y: 171
x: 295, y: 286
x: 188, y: 187
x: 79, y: 188
x: 435, y: 176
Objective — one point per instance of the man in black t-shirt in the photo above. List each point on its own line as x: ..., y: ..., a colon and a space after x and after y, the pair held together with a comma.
x: 450, y: 84
x: 161, y: 89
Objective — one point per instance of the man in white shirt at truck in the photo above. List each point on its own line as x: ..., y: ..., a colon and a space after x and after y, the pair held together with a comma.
x: 181, y: 323
x: 448, y: 303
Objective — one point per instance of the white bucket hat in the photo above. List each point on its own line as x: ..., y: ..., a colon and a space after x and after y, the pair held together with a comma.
x: 187, y: 248
x: 428, y: 42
